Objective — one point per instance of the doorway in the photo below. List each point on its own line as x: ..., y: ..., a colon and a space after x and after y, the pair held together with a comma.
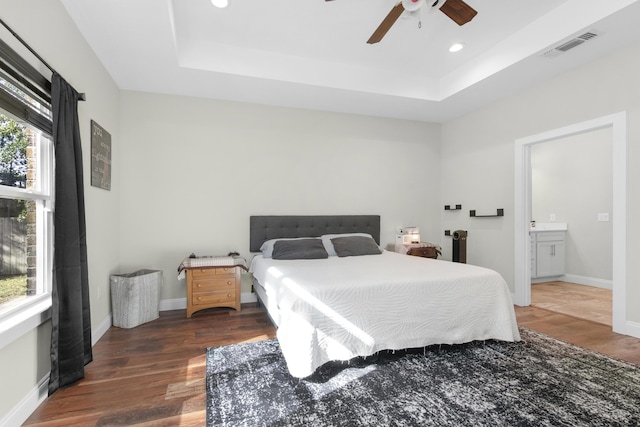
x: 523, y: 189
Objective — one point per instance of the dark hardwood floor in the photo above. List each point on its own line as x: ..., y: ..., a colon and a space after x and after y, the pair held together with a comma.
x: 153, y: 375
x: 580, y: 315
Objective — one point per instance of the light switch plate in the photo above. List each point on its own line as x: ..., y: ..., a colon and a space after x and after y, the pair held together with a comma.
x: 603, y: 217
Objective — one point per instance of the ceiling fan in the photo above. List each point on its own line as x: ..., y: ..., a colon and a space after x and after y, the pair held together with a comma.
x: 459, y: 11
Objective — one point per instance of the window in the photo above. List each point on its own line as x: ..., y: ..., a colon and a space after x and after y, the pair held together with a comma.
x: 25, y: 213
x: 26, y: 196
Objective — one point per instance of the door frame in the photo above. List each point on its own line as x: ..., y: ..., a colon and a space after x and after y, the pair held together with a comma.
x: 522, y: 209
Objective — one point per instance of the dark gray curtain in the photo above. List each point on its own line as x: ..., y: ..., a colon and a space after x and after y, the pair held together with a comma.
x: 71, y: 316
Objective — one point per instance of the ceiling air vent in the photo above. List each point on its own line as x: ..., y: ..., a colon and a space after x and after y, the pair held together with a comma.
x: 570, y: 44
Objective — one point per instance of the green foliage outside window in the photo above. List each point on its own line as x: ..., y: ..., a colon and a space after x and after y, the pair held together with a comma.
x: 13, y: 153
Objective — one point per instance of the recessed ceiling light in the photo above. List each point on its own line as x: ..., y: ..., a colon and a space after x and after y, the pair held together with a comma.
x: 456, y: 47
x: 220, y: 3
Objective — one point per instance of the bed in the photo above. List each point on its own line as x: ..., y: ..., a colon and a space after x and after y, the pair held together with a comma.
x: 356, y: 302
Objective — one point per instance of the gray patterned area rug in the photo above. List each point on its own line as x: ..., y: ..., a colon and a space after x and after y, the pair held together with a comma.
x: 539, y: 381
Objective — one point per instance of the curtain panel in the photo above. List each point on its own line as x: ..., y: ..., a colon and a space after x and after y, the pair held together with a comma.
x: 71, y: 317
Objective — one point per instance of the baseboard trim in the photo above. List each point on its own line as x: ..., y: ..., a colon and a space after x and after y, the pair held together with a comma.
x: 633, y: 329
x: 181, y: 303
x: 247, y: 297
x: 580, y: 280
x: 588, y: 281
x: 102, y: 329
x: 27, y: 406
x: 173, y: 304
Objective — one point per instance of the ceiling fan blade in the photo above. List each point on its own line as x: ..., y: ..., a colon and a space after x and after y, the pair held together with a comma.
x: 386, y: 24
x: 458, y: 11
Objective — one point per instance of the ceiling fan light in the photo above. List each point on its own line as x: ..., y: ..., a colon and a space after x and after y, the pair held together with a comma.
x: 412, y: 5
x: 456, y: 47
x: 220, y: 3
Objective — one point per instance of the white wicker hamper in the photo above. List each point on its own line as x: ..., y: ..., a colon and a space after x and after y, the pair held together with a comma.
x: 135, y: 297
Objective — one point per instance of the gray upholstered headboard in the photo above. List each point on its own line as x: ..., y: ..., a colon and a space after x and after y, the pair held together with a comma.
x: 263, y: 228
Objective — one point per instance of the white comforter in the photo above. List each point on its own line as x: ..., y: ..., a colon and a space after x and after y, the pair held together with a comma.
x: 340, y: 308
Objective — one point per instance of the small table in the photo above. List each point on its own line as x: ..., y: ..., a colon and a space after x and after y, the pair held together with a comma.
x: 422, y: 249
x: 211, y: 286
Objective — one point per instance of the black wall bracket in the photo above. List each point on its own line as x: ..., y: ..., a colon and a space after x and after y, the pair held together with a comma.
x: 500, y: 212
x: 449, y: 208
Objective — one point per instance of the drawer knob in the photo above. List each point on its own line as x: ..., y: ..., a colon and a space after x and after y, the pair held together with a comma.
x: 229, y: 283
x: 228, y: 295
x: 199, y: 285
x: 199, y: 298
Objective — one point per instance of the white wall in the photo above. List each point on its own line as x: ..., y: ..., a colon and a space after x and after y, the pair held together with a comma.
x: 572, y: 178
x: 187, y: 173
x: 482, y: 143
x: 45, y: 25
x: 194, y: 170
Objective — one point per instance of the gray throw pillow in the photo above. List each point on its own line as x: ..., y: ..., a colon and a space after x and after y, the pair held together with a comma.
x: 355, y: 246
x: 299, y: 249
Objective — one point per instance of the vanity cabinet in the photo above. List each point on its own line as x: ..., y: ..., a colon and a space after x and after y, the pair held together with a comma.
x: 547, y: 253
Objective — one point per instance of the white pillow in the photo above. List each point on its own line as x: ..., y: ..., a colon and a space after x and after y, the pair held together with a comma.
x: 267, y: 247
x: 326, y: 240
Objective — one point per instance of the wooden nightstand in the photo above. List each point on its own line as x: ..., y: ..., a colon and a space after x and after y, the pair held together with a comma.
x: 423, y: 249
x: 425, y: 252
x: 209, y: 287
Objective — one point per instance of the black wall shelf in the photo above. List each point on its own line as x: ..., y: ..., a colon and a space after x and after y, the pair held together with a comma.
x: 449, y: 208
x: 500, y: 212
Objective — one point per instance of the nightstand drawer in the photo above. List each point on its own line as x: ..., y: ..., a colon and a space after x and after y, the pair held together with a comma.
x: 425, y: 252
x: 216, y: 297
x: 213, y: 271
x: 225, y: 271
x: 213, y: 284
